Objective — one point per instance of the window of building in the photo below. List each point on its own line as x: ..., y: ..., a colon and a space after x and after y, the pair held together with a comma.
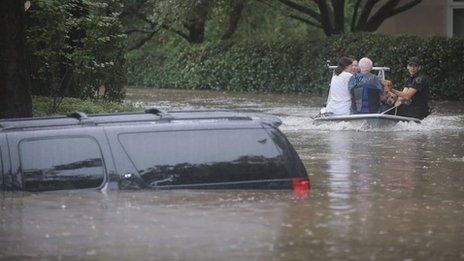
x: 455, y: 22
x: 61, y: 163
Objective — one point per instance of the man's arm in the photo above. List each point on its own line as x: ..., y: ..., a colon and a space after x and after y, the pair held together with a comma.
x: 406, y: 94
x: 416, y: 85
x: 352, y: 82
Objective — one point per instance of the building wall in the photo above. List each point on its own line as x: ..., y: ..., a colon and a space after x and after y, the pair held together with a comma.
x: 425, y: 19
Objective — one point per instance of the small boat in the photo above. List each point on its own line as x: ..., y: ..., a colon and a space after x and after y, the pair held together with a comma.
x: 372, y: 120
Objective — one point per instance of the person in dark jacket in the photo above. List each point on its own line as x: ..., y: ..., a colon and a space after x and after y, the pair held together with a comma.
x: 414, y: 98
x: 365, y: 89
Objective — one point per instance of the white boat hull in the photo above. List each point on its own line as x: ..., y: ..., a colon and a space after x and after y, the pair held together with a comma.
x: 373, y: 120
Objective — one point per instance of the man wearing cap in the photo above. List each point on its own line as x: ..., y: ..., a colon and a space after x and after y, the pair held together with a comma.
x: 413, y: 100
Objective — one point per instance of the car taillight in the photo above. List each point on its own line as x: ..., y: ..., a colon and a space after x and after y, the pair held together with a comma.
x: 301, y: 187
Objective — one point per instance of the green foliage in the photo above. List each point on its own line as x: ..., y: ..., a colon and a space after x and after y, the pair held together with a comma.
x: 258, y: 20
x: 169, y: 13
x: 297, y: 65
x: 41, y: 106
x: 441, y: 58
x: 76, y: 47
x: 261, y: 22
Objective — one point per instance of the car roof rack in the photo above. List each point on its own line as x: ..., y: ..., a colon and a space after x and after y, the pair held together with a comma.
x: 78, y: 115
x: 153, y: 111
x: 82, y: 117
x: 149, y: 115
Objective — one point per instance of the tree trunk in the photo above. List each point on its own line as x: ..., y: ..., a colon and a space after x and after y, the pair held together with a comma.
x: 332, y: 20
x: 15, y: 97
x: 196, y: 32
x: 325, y: 17
x: 389, y: 9
x: 370, y: 22
x: 339, y: 16
x: 235, y: 16
x: 196, y: 23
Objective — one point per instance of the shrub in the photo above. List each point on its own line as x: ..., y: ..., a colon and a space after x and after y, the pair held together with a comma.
x: 41, y: 106
x: 298, y: 65
x: 76, y: 47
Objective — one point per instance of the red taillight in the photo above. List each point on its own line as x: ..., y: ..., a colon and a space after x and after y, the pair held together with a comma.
x: 300, y: 188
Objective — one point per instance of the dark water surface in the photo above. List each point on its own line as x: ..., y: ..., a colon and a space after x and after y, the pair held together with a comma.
x: 377, y: 194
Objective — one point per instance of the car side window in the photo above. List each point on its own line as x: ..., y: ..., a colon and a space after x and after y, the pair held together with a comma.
x: 61, y: 163
x: 1, y: 169
x: 203, y: 156
x: 1, y: 163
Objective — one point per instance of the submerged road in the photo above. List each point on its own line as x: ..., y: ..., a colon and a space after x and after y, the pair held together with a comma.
x: 377, y: 194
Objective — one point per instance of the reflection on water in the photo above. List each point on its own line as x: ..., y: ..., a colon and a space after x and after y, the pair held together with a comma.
x: 339, y: 186
x: 388, y: 194
x: 141, y: 224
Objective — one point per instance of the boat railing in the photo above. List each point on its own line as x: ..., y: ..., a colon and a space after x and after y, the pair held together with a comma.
x: 380, y: 70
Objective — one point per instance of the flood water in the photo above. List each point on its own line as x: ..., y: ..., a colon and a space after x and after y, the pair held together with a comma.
x: 377, y: 194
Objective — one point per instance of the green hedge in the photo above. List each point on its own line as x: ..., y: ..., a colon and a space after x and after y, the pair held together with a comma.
x: 297, y: 65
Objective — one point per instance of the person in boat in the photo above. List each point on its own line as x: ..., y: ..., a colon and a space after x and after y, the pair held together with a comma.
x: 414, y: 98
x: 365, y: 89
x: 355, y: 67
x: 339, y: 99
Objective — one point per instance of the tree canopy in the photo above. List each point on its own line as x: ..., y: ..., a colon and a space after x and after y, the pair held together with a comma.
x: 78, y: 48
x: 330, y: 16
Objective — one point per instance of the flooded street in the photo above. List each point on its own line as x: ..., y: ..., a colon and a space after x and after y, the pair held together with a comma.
x: 376, y: 194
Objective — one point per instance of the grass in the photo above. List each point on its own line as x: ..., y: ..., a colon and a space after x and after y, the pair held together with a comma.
x: 41, y: 106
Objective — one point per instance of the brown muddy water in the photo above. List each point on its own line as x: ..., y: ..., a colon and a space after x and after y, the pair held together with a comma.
x: 377, y: 194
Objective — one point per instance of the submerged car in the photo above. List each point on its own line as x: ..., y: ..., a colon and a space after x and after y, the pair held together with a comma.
x: 151, y: 150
